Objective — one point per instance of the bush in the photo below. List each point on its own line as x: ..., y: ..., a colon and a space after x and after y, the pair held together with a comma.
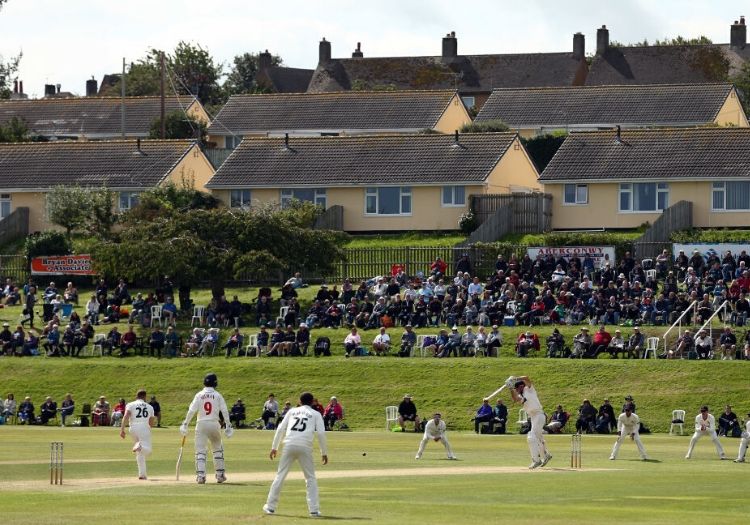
x: 47, y: 243
x: 693, y: 236
x: 486, y: 126
x: 467, y: 222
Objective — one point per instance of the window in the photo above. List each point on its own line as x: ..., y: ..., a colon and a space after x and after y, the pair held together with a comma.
x: 454, y: 196
x: 240, y: 199
x: 644, y: 197
x: 576, y: 194
x: 128, y: 199
x: 731, y: 196
x: 388, y: 201
x: 469, y: 102
x: 4, y: 205
x: 314, y: 195
x: 232, y: 141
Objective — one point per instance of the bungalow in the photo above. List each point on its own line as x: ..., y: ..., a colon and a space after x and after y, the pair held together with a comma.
x: 339, y: 113
x: 535, y: 111
x: 281, y: 79
x: 29, y: 170
x: 621, y: 180
x: 384, y: 182
x: 95, y: 118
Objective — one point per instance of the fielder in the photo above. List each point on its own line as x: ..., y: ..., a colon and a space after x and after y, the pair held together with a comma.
x: 522, y: 391
x: 705, y: 425
x: 139, y: 415
x: 208, y: 403
x: 628, y: 424
x: 743, y: 442
x: 435, y: 430
x: 298, y: 428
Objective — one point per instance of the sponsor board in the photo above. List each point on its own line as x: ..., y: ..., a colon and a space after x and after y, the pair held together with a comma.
x: 710, y: 248
x: 598, y: 253
x: 62, y: 265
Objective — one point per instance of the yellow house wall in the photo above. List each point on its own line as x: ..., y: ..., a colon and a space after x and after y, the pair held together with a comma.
x: 731, y: 113
x: 454, y: 117
x: 35, y: 202
x: 194, y: 169
x: 602, y: 209
x: 197, y: 111
x: 515, y: 170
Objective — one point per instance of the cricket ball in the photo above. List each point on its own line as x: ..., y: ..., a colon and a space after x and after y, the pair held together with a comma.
x: 364, y: 453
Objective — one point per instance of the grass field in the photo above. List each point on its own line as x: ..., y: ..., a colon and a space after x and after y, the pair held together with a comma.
x: 489, y: 484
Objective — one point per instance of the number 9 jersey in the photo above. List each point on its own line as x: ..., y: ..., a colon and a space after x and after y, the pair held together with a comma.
x: 208, y: 403
x: 299, y: 427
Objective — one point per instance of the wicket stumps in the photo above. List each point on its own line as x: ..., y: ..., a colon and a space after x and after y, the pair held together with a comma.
x: 575, y: 451
x: 56, y: 463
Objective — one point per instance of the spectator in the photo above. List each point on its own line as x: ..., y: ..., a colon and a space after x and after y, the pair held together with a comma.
x: 586, y: 417
x: 408, y: 340
x: 703, y: 344
x: 353, y: 342
x: 100, y: 414
x: 382, y: 342
x: 237, y: 414
x: 6, y: 339
x: 728, y: 344
x: 113, y: 340
x: 118, y: 411
x: 332, y: 413
x: 9, y: 407
x: 26, y: 412
x: 317, y: 406
x: 263, y: 340
x: 600, y: 343
x: 557, y: 421
x: 480, y: 342
x: 18, y: 338
x: 556, y: 344
x: 607, y: 408
x: 494, y: 341
x: 407, y: 411
x: 635, y: 345
x: 453, y: 344
x: 70, y: 295
x: 276, y: 343
x: 270, y: 411
x: 526, y: 343
x: 234, y: 342
x: 287, y: 408
x: 295, y: 281
x: 484, y: 415
x: 67, y: 407
x: 499, y: 416
x: 52, y: 346
x: 616, y: 345
x: 468, y: 339
x: 127, y: 341
x: 685, y: 346
x: 47, y: 411
x: 169, y: 311
x: 157, y: 410
x: 729, y: 425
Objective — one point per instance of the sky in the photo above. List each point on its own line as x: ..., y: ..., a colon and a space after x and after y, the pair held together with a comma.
x: 68, y: 41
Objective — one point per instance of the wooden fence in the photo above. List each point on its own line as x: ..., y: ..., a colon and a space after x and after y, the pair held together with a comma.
x: 331, y: 219
x: 500, y: 215
x: 677, y: 217
x: 15, y: 267
x: 14, y: 226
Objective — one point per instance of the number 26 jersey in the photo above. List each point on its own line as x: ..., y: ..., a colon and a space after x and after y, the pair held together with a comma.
x: 298, y: 428
x: 140, y: 412
x: 208, y: 403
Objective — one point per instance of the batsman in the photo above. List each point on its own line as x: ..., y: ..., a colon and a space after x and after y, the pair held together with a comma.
x: 522, y: 391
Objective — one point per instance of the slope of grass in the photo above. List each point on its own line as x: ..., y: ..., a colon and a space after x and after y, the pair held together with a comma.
x: 405, y: 240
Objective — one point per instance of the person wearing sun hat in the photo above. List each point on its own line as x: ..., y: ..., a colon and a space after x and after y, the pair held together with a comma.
x: 581, y: 342
x: 407, y: 411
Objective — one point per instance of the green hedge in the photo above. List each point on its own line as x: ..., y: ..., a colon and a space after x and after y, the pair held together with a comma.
x: 695, y: 235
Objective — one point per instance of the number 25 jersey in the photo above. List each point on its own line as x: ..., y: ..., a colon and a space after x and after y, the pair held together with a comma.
x: 208, y: 403
x: 298, y: 428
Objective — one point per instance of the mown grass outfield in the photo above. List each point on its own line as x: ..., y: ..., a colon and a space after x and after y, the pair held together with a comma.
x: 489, y: 484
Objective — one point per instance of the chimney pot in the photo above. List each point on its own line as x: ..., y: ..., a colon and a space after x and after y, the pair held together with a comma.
x: 602, y: 40
x: 91, y: 87
x: 450, y: 45
x: 358, y: 52
x: 324, y: 51
x: 738, y: 34
x: 579, y: 46
x: 286, y: 140
x: 15, y: 86
x: 455, y: 136
x: 264, y: 60
x: 20, y: 87
x: 49, y: 89
x: 138, y: 144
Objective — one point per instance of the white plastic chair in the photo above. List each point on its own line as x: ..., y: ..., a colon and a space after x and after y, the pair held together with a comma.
x: 647, y: 264
x: 652, y: 345
x: 98, y: 343
x: 523, y: 418
x: 391, y: 416
x: 677, y: 415
x: 650, y: 275
x: 252, y: 344
x: 282, y: 314
x: 156, y: 314
x: 420, y: 344
x: 199, y: 313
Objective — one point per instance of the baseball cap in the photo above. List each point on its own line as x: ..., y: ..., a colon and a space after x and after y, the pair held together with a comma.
x: 407, y: 396
x: 454, y: 327
x: 494, y: 326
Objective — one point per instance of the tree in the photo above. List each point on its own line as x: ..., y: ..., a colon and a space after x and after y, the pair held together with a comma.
x: 741, y: 81
x: 178, y: 126
x: 102, y: 215
x: 241, y: 77
x: 14, y: 131
x: 167, y: 199
x: 486, y: 126
x: 679, y: 40
x: 68, y: 206
x: 542, y: 148
x: 47, y: 243
x: 221, y: 244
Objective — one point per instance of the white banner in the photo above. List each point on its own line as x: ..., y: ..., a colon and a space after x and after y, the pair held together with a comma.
x: 596, y: 252
x: 709, y: 248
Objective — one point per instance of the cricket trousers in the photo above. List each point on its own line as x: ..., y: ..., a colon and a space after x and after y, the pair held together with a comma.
x: 699, y: 434
x: 205, y: 432
x: 141, y: 435
x: 443, y: 440
x: 743, y: 445
x: 636, y: 438
x: 304, y: 456
x: 535, y: 437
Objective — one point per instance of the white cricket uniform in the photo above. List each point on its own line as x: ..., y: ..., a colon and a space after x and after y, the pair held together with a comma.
x: 535, y: 438
x: 140, y: 431
x: 208, y: 404
x: 298, y: 429
x: 705, y: 427
x: 435, y: 431
x: 627, y: 425
x: 744, y: 442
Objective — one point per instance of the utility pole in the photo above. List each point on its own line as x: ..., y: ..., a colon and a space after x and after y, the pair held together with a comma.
x: 163, y: 121
x: 122, y: 100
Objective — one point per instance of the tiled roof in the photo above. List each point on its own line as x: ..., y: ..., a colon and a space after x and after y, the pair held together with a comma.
x: 466, y: 73
x: 116, y: 164
x: 644, y: 105
x: 93, y: 117
x: 687, y: 64
x: 345, y: 110
x: 286, y: 79
x: 350, y: 161
x: 659, y: 154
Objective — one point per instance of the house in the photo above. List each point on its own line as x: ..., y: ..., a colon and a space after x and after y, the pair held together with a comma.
x: 383, y: 182
x: 535, y: 111
x: 608, y: 180
x: 677, y: 64
x: 337, y: 113
x: 281, y: 79
x: 29, y: 170
x: 473, y: 76
x: 95, y: 118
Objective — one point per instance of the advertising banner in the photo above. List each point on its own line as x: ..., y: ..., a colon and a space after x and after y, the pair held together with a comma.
x: 62, y: 265
x: 596, y: 252
x: 710, y: 248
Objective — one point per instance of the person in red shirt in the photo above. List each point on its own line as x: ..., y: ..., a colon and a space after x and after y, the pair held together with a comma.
x: 438, y: 267
x: 600, y: 342
x: 332, y: 413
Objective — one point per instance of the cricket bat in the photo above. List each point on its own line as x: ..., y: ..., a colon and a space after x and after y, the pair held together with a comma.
x: 179, y: 459
x: 496, y: 392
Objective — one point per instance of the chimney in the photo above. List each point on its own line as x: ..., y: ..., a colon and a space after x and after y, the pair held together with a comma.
x: 49, y: 90
x: 286, y: 140
x: 15, y: 87
x: 138, y: 145
x: 58, y: 86
x: 455, y: 137
x: 324, y: 51
x: 579, y: 46
x: 738, y: 34
x: 20, y: 87
x: 602, y: 40
x: 358, y: 52
x: 264, y: 60
x: 92, y: 86
x: 450, y: 45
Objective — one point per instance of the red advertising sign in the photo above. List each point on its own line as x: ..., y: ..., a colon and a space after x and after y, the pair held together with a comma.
x: 62, y: 265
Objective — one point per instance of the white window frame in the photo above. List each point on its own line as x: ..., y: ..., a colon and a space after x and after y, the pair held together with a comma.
x: 661, y: 188
x: 453, y: 200
x: 721, y: 187
x: 244, y: 200
x: 133, y: 198
x: 374, y: 193
x: 320, y: 196
x: 576, y: 200
x: 232, y: 141
x: 465, y: 100
x: 5, y: 205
